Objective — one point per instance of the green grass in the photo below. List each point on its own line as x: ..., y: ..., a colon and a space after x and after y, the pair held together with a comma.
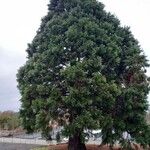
x: 40, y: 148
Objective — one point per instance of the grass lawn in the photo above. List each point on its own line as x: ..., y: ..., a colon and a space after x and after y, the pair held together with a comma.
x: 40, y: 148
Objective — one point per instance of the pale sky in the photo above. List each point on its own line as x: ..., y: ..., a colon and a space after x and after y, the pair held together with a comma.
x: 19, y: 20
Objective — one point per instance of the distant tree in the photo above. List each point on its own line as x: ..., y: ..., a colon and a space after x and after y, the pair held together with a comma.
x: 82, y: 65
x: 9, y: 120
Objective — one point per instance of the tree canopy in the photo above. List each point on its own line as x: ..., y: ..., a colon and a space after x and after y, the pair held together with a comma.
x: 85, y: 71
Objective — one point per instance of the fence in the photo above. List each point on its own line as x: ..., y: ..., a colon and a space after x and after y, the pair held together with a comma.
x: 25, y: 141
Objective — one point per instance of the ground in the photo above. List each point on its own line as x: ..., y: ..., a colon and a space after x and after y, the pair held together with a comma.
x: 40, y: 148
x: 89, y: 147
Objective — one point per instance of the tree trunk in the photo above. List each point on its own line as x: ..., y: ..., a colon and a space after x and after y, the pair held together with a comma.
x: 75, y: 143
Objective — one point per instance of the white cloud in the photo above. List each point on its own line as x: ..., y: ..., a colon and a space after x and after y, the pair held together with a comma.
x: 19, y: 21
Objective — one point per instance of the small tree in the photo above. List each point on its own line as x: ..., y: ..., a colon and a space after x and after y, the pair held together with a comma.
x: 9, y: 120
x: 84, y: 64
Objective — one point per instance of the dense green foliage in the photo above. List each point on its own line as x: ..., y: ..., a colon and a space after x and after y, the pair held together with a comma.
x: 84, y: 64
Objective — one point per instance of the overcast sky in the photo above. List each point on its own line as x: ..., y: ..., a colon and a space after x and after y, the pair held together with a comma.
x: 19, y: 20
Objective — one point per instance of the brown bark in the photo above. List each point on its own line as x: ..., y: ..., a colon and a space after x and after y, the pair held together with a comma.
x: 75, y: 143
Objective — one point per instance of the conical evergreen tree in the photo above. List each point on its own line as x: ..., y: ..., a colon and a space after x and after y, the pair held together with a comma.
x: 84, y: 67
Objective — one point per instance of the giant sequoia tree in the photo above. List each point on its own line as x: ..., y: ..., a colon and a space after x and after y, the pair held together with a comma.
x: 85, y: 68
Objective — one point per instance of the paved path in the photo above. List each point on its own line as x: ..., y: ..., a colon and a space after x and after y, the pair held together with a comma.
x: 12, y: 146
x: 28, y: 144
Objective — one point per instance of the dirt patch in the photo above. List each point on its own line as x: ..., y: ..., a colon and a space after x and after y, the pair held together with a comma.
x: 89, y: 147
